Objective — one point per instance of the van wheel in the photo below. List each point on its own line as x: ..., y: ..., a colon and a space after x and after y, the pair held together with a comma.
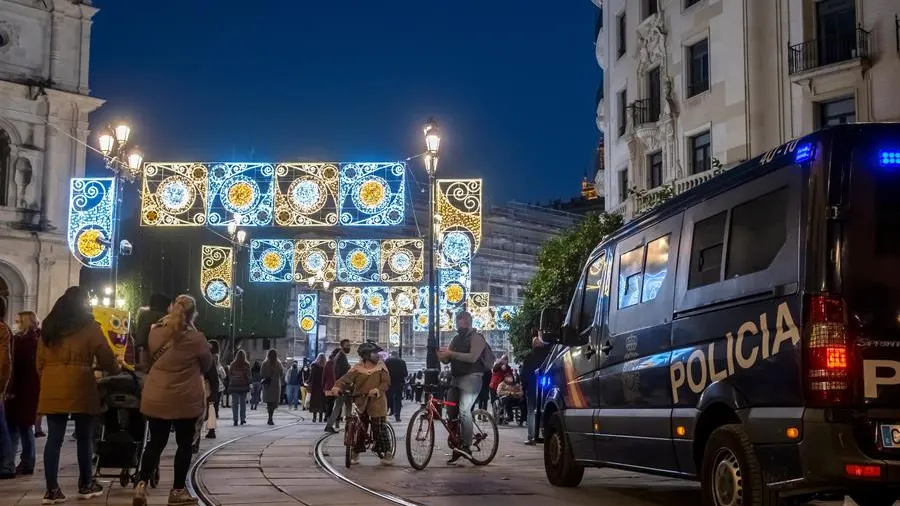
x: 874, y: 498
x: 559, y: 462
x: 731, y: 475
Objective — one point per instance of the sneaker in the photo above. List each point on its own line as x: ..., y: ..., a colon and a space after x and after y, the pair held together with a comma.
x: 90, y: 491
x: 54, y: 496
x: 243, y: 422
x: 140, y: 494
x: 387, y: 460
x: 181, y: 497
x: 459, y: 453
x: 331, y: 430
x: 24, y: 471
x: 530, y: 442
x: 211, y: 434
x: 354, y: 458
x: 270, y: 422
x: 235, y: 423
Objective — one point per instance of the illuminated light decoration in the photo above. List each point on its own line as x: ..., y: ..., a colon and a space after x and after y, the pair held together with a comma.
x: 306, y: 194
x: 478, y: 305
x: 454, y: 286
x: 374, y: 300
x: 394, y: 335
x: 503, y: 315
x: 455, y: 249
x: 174, y: 194
x: 459, y: 205
x: 91, y: 213
x: 271, y: 260
x: 402, y: 260
x: 448, y: 319
x: 315, y: 259
x: 889, y: 158
x: 245, y: 189
x: 420, y: 314
x: 346, y: 301
x: 307, y: 311
x: 403, y: 301
x: 804, y: 153
x: 372, y: 194
x: 216, y: 275
x: 358, y: 261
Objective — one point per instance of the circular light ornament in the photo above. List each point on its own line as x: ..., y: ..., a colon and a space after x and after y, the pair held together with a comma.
x: 176, y: 195
x: 272, y: 261
x: 376, y: 301
x: 307, y: 323
x: 216, y: 291
x: 423, y: 320
x: 404, y: 302
x: 455, y: 293
x: 307, y: 195
x: 401, y: 261
x: 457, y: 247
x: 314, y: 261
x: 371, y: 195
x: 241, y: 195
x: 359, y: 260
x: 88, y: 243
x: 347, y: 301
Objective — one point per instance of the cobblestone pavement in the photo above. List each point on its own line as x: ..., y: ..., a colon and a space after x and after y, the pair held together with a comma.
x: 277, y: 468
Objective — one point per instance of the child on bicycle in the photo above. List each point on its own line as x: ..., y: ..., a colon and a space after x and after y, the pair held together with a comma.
x: 368, y: 381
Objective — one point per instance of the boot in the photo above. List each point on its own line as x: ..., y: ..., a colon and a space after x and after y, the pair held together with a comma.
x: 211, y: 434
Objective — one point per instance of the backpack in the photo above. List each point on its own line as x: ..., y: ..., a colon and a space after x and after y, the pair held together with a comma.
x: 488, y: 358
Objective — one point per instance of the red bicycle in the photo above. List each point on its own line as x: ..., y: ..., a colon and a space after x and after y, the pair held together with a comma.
x: 421, y: 433
x: 358, y: 433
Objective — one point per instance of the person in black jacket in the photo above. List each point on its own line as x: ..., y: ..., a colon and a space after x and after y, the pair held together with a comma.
x: 146, y: 317
x: 397, y: 369
x: 534, y: 359
x: 341, y: 367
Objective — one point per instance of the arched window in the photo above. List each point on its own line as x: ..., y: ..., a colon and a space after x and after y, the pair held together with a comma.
x: 5, y: 176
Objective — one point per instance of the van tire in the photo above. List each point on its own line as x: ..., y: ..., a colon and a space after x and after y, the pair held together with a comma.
x: 729, y: 456
x: 559, y: 461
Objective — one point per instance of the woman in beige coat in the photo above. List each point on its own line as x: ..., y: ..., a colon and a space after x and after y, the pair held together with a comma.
x: 173, y: 395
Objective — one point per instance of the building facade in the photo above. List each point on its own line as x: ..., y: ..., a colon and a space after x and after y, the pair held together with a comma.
x: 44, y: 107
x: 693, y: 87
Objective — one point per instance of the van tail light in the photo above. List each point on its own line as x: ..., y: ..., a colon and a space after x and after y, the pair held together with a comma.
x: 827, y: 350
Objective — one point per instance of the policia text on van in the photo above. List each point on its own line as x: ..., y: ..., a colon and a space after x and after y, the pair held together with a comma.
x: 744, y: 333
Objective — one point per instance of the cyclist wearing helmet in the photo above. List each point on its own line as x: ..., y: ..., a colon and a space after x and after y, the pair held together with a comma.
x: 370, y: 377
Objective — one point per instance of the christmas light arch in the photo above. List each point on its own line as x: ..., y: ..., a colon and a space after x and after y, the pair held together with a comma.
x: 91, y: 218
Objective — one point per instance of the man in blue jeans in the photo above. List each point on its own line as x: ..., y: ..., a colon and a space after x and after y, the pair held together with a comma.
x: 466, y: 368
x: 7, y: 456
x: 293, y: 386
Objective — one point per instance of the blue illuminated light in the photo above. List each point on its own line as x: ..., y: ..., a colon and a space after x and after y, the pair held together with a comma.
x: 245, y: 189
x: 544, y: 381
x: 358, y: 261
x: 890, y: 158
x: 271, y: 260
x: 92, y: 204
x: 372, y: 194
x: 804, y: 153
x: 307, y: 311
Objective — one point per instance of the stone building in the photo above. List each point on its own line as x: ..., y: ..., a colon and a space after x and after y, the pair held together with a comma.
x: 692, y: 87
x: 44, y: 107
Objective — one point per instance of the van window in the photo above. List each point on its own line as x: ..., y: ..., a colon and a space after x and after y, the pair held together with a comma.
x: 630, y: 267
x: 706, y: 251
x: 758, y: 231
x: 591, y: 292
x: 655, y: 270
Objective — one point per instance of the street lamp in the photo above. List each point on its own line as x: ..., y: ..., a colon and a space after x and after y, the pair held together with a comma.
x: 432, y: 147
x: 315, y: 282
x: 125, y: 162
x: 238, y: 238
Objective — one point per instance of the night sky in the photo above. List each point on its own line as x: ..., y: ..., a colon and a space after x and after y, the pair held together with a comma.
x: 512, y: 84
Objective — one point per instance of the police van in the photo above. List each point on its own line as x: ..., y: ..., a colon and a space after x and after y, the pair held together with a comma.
x: 745, y: 334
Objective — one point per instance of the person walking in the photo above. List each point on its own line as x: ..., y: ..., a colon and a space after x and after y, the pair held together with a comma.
x: 239, y: 385
x: 72, y: 342
x: 7, y: 456
x: 397, y: 367
x: 255, y: 387
x: 146, y: 317
x: 293, y: 386
x: 218, y: 370
x: 305, y: 375
x: 328, y: 381
x: 173, y: 396
x: 317, y: 389
x: 533, y: 360
x: 341, y: 367
x: 23, y: 390
x: 271, y: 372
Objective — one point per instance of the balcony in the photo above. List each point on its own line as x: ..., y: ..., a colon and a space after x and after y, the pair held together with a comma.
x: 849, y: 46
x: 644, y: 112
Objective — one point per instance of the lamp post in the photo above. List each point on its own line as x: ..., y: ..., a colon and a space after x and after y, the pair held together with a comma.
x: 316, y: 282
x: 432, y: 147
x: 125, y: 162
x: 238, y: 238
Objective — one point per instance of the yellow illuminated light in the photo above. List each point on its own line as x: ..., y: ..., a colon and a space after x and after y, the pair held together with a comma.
x: 454, y: 294
x: 315, y: 259
x: 371, y: 193
x: 402, y: 260
x: 792, y: 432
x: 241, y: 195
x: 680, y: 431
x: 89, y: 243
x: 306, y: 324
x: 272, y: 261
x: 459, y: 204
x: 403, y: 300
x: 184, y: 208
x: 359, y: 260
x: 215, y: 267
x: 306, y: 194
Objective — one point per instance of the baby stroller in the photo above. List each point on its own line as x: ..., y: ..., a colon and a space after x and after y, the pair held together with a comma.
x: 122, y: 432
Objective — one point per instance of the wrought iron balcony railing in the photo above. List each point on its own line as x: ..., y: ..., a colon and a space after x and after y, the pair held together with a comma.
x: 644, y: 111
x: 835, y: 48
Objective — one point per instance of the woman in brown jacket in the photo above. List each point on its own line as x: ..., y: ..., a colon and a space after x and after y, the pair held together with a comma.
x: 71, y: 342
x: 173, y: 395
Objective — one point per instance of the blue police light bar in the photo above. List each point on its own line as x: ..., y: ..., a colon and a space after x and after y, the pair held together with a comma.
x: 890, y: 158
x: 804, y: 153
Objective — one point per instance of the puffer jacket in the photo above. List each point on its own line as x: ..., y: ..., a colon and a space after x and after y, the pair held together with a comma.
x: 239, y: 378
x: 173, y: 389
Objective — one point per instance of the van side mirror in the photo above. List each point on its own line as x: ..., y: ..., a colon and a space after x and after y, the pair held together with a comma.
x: 551, y: 324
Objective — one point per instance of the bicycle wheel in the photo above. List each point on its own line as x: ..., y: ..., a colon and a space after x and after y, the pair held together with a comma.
x: 349, y: 441
x: 393, y: 439
x: 485, y: 438
x: 421, y: 433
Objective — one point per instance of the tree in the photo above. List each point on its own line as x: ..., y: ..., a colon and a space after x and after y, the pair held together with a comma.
x: 559, y: 264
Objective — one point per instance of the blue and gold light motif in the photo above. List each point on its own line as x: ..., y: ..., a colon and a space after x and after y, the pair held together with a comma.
x: 374, y: 300
x: 306, y: 194
x: 372, y: 193
x: 91, y: 217
x: 503, y: 315
x: 358, y: 261
x: 402, y: 260
x: 272, y: 260
x: 245, y: 189
x: 420, y: 314
x: 346, y: 301
x: 174, y: 194
x: 216, y: 275
x: 307, y: 312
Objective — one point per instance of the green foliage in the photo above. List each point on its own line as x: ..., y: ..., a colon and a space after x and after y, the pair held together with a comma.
x: 560, y: 262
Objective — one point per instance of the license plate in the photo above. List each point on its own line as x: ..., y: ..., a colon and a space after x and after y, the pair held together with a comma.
x: 890, y: 436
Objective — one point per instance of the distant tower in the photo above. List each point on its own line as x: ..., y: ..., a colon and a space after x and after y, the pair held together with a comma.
x: 599, y: 167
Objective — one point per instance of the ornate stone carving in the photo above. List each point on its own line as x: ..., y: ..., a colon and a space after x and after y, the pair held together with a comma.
x: 652, y: 43
x: 25, y: 191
